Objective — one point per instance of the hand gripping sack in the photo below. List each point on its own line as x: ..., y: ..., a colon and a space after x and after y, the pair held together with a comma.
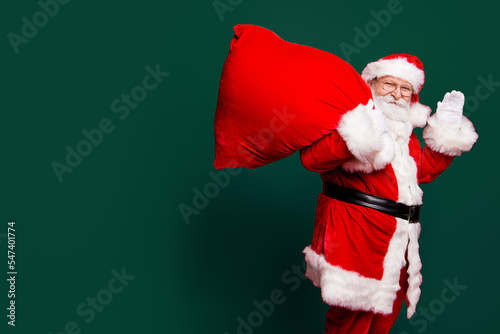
x: 277, y: 97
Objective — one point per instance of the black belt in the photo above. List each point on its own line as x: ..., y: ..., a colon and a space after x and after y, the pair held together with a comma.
x: 396, y: 209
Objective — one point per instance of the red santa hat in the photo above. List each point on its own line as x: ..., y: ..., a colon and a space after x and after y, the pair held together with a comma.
x: 405, y: 67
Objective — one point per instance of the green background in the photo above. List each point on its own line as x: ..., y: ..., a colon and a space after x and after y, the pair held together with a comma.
x: 119, y: 208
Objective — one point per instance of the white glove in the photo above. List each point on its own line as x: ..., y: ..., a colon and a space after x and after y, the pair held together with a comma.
x: 451, y: 108
x: 379, y: 117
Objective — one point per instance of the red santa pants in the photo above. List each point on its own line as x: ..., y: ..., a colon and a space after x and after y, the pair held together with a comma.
x: 343, y: 321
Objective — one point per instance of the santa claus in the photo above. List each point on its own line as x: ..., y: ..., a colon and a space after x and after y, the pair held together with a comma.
x: 364, y: 253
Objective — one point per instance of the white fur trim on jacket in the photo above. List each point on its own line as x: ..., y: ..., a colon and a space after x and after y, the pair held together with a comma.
x: 419, y: 114
x: 397, y: 67
x: 372, y: 149
x: 340, y: 287
x: 409, y: 193
x: 450, y: 138
x: 414, y: 267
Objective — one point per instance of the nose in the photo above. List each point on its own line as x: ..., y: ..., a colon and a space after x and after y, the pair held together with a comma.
x: 397, y: 93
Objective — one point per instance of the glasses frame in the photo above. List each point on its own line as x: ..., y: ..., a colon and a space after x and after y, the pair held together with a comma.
x: 385, y: 84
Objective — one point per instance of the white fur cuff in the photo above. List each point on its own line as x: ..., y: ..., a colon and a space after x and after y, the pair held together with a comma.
x: 372, y: 148
x: 450, y: 138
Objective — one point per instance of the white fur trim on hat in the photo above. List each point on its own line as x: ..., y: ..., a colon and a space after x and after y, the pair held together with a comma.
x: 397, y: 67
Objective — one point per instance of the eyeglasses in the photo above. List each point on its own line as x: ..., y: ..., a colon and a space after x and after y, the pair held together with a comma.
x: 390, y: 87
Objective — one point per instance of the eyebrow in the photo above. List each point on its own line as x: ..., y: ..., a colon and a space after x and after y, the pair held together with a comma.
x: 393, y: 83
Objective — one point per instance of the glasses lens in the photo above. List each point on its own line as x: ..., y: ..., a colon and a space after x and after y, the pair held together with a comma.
x: 405, y: 91
x: 389, y: 86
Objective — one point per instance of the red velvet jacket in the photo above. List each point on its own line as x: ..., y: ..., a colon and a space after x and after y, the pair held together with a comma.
x: 357, y: 253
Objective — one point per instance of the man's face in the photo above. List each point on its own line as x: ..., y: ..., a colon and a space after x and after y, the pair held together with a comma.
x: 382, y: 86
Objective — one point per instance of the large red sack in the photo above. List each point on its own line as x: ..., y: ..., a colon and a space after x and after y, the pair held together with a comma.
x: 277, y: 97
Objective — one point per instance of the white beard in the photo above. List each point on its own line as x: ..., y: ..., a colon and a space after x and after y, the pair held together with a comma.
x: 397, y: 115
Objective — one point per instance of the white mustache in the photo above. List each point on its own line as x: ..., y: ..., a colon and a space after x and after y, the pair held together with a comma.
x: 389, y: 98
